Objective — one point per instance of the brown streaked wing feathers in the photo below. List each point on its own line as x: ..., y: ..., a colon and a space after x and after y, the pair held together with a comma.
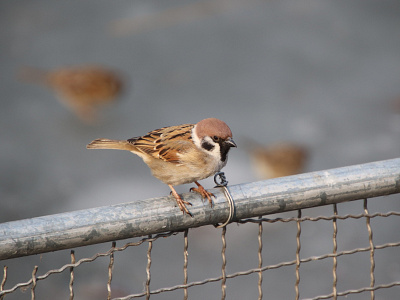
x: 165, y: 143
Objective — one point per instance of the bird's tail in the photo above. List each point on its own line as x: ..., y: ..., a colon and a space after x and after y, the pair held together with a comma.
x: 111, y: 144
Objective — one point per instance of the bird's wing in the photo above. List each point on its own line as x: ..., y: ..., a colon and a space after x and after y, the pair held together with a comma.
x: 166, y: 143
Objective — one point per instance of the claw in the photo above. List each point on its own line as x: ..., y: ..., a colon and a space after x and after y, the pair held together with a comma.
x: 202, y: 191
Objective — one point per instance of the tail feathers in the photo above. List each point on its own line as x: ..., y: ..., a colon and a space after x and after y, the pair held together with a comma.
x: 111, y: 144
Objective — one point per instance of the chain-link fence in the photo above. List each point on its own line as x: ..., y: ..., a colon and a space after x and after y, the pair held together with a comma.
x: 314, y: 244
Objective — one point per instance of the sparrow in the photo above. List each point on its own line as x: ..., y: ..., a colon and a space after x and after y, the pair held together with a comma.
x: 278, y: 160
x: 180, y: 154
x: 83, y: 89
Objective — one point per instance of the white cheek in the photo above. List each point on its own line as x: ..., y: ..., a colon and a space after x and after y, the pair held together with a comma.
x: 215, y: 152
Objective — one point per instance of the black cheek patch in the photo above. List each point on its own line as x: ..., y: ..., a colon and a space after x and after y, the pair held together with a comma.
x: 207, y: 146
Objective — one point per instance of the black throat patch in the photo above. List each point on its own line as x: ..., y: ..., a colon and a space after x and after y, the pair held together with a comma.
x: 224, y: 148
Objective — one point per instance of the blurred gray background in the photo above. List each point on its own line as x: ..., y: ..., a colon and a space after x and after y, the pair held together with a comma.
x: 325, y: 74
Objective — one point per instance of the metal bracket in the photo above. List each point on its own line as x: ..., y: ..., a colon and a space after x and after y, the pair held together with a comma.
x: 223, y: 183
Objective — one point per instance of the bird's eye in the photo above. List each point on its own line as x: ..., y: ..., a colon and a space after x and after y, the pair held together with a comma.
x: 215, y: 138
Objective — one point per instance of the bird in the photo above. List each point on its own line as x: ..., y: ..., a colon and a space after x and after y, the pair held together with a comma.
x: 278, y: 159
x: 82, y: 88
x: 180, y: 154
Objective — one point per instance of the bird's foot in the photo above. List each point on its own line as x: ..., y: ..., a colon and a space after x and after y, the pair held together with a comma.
x: 202, y: 191
x: 181, y: 202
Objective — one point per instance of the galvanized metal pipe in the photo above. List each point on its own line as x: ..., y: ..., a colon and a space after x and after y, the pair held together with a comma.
x: 139, y: 218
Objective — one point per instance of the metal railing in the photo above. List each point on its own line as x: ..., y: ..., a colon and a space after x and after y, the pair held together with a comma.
x: 160, y: 217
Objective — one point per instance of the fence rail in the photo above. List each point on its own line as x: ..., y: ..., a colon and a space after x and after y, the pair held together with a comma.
x: 145, y: 217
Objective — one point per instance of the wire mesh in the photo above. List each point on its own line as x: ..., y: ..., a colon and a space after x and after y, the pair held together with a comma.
x: 298, y: 262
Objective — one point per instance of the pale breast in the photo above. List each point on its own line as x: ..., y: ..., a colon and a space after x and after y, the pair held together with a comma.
x: 193, y: 166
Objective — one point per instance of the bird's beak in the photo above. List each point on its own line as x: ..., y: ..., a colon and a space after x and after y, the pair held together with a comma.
x: 230, y: 143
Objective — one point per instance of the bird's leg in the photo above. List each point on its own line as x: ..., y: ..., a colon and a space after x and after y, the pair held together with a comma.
x: 181, y: 203
x: 202, y: 191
